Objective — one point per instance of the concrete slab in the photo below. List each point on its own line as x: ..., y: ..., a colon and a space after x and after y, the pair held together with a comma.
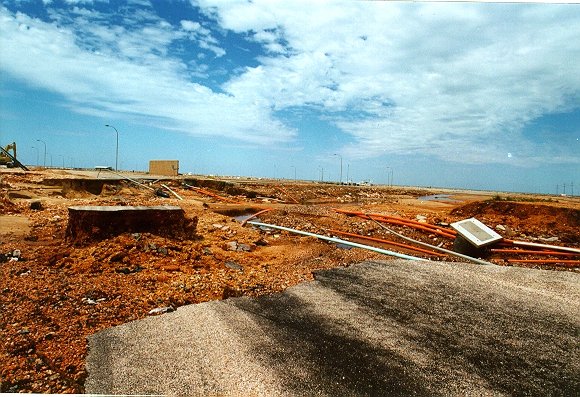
x: 377, y: 328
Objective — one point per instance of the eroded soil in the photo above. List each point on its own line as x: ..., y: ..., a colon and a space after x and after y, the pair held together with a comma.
x: 56, y: 291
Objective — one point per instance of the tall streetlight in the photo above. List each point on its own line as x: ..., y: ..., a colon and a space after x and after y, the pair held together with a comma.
x: 335, y: 154
x: 347, y: 172
x: 36, y: 155
x: 117, y: 152
x: 44, y: 143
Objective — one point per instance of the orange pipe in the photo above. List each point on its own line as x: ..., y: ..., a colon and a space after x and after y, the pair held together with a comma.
x: 434, y: 227
x: 401, y: 221
x: 546, y: 261
x: 533, y: 252
x: 208, y: 193
x: 256, y: 214
x: 380, y: 240
x: 287, y: 194
x: 392, y: 217
x: 420, y: 227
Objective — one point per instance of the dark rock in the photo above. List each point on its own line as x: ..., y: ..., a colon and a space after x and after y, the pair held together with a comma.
x: 234, y: 266
x: 36, y: 205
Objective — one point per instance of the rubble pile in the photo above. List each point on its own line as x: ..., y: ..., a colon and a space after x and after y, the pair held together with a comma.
x: 55, y: 291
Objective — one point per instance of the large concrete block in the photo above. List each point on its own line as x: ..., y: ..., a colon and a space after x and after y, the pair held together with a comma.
x: 87, y: 223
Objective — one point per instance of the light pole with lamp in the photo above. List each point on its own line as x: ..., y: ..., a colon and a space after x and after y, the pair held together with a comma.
x: 44, y: 143
x: 335, y: 154
x: 36, y: 155
x: 117, y: 151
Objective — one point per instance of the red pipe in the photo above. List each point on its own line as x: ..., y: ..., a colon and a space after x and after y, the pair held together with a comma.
x: 567, y: 263
x: 449, y: 233
x: 532, y: 252
x: 380, y: 240
x: 420, y: 227
x: 256, y: 214
x: 280, y: 188
x: 208, y: 193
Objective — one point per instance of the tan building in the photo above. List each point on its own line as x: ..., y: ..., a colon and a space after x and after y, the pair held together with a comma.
x: 164, y: 167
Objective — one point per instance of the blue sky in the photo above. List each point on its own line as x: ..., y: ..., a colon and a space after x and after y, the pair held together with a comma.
x: 467, y: 95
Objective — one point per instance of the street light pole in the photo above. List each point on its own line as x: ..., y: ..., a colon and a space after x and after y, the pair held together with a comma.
x: 117, y: 151
x: 36, y: 155
x: 335, y: 154
x: 44, y: 143
x: 347, y: 172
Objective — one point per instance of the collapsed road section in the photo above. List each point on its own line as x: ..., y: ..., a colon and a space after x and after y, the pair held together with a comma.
x: 396, y: 328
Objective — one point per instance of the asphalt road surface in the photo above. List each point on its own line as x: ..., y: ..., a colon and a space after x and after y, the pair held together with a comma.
x: 377, y: 328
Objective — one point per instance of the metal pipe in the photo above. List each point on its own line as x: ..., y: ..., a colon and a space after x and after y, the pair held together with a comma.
x: 132, y: 180
x: 339, y: 241
x: 469, y: 258
x: 175, y: 194
x: 547, y: 246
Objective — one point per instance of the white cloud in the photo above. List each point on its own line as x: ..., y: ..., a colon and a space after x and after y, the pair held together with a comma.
x: 136, y: 81
x: 429, y: 78
x: 190, y: 25
x: 454, y: 81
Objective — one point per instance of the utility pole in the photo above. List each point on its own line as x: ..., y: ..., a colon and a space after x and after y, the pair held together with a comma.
x: 340, y: 166
x: 564, y: 189
x: 347, y: 171
x: 44, y: 143
x: 572, y: 189
x: 36, y: 155
x: 117, y: 150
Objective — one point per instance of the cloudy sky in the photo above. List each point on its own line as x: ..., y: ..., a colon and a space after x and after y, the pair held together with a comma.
x: 469, y: 95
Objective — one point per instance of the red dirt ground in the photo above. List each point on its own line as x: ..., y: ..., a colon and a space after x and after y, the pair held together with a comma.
x: 56, y: 293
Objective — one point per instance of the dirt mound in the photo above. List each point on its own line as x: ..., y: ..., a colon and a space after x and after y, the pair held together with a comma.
x: 532, y: 219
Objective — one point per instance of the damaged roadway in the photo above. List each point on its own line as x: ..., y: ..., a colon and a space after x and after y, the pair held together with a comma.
x: 57, y: 288
x: 377, y: 328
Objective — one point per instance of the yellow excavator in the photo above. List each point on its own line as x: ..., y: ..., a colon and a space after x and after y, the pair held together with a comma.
x: 9, y: 159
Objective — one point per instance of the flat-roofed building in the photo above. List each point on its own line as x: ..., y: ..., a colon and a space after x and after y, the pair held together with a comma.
x: 164, y: 167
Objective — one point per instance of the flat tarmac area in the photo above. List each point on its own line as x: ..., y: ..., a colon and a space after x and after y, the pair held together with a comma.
x: 377, y: 328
